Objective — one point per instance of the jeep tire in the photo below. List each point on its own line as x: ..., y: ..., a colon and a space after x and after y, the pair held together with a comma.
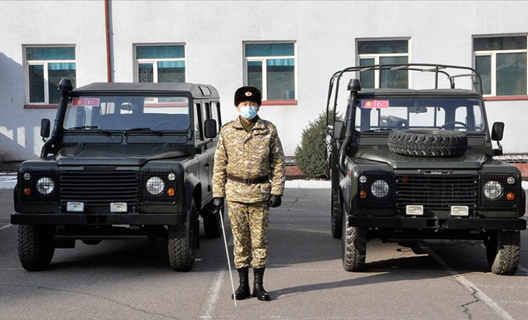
x: 427, y: 143
x: 182, y: 241
x: 336, y: 217
x: 503, y: 250
x: 354, y: 248
x: 35, y: 247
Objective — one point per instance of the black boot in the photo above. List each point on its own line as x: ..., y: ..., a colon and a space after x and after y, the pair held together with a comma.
x: 243, y: 290
x: 258, y: 288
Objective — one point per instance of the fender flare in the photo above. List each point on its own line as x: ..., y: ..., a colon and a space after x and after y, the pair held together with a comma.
x: 193, y: 188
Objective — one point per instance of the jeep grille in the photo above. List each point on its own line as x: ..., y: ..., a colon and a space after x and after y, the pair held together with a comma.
x: 99, y: 187
x: 437, y: 192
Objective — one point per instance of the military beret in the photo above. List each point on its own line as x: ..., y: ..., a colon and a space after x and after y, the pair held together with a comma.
x: 248, y: 94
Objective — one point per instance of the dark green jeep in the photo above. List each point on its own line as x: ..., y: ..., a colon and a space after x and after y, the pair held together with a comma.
x: 124, y: 161
x: 412, y: 165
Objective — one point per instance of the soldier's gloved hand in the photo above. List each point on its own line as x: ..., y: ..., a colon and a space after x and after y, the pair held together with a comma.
x: 275, y: 201
x: 218, y: 203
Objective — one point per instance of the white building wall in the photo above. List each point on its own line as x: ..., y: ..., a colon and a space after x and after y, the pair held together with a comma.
x: 213, y: 33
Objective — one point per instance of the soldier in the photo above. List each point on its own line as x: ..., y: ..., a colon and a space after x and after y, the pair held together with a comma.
x: 249, y: 175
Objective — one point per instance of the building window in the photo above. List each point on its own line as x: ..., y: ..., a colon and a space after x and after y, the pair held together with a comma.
x: 271, y: 68
x: 374, y: 52
x: 45, y: 67
x: 164, y: 63
x: 501, y: 62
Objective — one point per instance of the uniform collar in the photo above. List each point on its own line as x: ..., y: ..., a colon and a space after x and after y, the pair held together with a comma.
x: 259, y: 124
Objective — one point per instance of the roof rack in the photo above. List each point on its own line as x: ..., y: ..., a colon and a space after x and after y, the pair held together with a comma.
x: 437, y: 69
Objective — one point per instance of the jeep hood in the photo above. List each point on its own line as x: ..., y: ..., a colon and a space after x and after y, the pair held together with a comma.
x: 134, y: 155
x: 471, y: 160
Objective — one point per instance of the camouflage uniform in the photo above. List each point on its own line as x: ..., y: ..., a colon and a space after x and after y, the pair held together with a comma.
x: 250, y: 155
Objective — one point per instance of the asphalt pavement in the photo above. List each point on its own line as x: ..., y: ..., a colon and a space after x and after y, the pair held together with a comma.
x: 131, y: 279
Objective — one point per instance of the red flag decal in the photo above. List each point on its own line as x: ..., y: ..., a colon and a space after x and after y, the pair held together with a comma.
x: 381, y: 104
x: 94, y: 102
x: 78, y: 101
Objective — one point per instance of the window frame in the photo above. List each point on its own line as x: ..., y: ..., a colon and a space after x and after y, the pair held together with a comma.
x: 263, y: 61
x: 493, y: 65
x: 45, y: 75
x: 154, y: 61
x: 377, y: 56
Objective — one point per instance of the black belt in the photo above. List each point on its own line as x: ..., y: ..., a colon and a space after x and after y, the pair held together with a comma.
x: 248, y: 181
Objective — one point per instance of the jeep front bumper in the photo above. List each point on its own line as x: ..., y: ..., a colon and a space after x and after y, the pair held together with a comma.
x: 435, y: 223
x: 97, y: 219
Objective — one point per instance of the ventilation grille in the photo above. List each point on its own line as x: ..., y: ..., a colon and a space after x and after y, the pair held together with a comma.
x: 99, y: 187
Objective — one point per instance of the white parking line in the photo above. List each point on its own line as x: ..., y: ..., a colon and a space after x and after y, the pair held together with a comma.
x: 470, y: 286
x: 214, y: 294
x: 5, y: 227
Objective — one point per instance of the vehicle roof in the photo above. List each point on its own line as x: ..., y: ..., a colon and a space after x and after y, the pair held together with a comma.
x: 422, y: 93
x: 196, y: 90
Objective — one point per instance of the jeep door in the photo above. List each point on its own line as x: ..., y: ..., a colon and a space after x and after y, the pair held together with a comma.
x: 205, y: 148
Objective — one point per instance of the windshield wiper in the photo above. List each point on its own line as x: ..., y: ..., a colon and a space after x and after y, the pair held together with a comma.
x: 378, y: 130
x: 144, y: 129
x: 83, y: 127
x: 89, y: 127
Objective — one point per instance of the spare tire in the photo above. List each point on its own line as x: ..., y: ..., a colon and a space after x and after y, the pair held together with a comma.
x: 428, y: 143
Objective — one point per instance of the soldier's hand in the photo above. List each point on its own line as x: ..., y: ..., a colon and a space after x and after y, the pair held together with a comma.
x: 218, y: 203
x: 275, y: 201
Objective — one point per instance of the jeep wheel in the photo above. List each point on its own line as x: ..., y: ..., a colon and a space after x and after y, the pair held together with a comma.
x: 336, y: 218
x: 354, y: 248
x: 427, y: 143
x: 212, y: 222
x: 503, y: 250
x: 35, y: 247
x: 182, y: 242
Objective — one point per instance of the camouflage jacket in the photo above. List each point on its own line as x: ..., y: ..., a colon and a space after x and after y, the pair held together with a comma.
x: 248, y: 155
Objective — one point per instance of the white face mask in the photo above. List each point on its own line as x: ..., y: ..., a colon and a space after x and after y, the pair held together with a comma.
x: 248, y: 112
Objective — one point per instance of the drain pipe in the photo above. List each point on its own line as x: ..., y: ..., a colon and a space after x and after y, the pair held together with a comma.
x: 109, y: 66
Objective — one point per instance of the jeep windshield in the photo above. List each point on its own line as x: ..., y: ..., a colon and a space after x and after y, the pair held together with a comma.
x: 127, y: 113
x: 381, y: 114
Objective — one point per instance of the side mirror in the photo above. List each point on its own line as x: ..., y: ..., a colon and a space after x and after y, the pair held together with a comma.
x: 339, y: 130
x: 45, y: 128
x: 496, y: 135
x: 210, y: 128
x: 497, y: 131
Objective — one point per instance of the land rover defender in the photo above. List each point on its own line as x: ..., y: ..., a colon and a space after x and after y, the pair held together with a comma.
x: 415, y: 165
x: 124, y: 161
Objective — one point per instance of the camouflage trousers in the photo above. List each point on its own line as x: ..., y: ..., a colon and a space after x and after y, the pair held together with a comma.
x: 249, y: 224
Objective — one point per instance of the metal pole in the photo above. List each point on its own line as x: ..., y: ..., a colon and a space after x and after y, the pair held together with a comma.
x: 219, y: 211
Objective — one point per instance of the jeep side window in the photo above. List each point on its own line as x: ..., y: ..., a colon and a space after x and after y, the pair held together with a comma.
x: 207, y: 109
x: 215, y: 114
x: 198, y: 123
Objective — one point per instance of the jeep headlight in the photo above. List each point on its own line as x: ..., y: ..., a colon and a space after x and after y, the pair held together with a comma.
x: 155, y: 185
x: 379, y: 188
x: 45, y: 185
x: 493, y: 190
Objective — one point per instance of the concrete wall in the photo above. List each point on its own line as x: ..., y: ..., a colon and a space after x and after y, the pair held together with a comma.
x: 213, y: 33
